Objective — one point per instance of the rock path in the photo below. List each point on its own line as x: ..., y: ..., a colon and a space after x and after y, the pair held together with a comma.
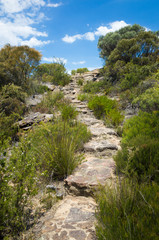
x: 74, y: 217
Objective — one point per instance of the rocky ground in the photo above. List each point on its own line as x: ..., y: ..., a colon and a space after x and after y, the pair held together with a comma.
x: 73, y: 218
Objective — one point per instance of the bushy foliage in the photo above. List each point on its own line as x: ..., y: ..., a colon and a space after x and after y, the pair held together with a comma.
x: 80, y: 82
x: 12, y: 107
x: 131, y: 55
x: 108, y: 43
x: 49, y: 101
x: 84, y: 97
x: 52, y: 72
x: 12, y: 100
x: 55, y: 146
x: 79, y: 70
x: 128, y: 211
x: 68, y: 112
x: 140, y: 148
x: 106, y: 108
x: 73, y: 72
x: 17, y: 64
x: 145, y: 124
x: 149, y: 100
x: 17, y: 184
x: 94, y: 87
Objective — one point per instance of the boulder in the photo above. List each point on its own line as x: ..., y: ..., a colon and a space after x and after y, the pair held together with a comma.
x: 33, y: 118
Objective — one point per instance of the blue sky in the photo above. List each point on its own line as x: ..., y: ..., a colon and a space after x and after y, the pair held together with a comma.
x: 69, y: 29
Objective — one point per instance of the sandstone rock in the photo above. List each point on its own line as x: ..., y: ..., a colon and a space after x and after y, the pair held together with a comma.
x: 63, y: 224
x: 98, y: 130
x: 99, y: 145
x: 34, y: 100
x: 33, y: 118
x: 89, y: 174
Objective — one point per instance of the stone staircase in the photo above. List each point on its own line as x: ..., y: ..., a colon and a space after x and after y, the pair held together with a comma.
x: 74, y: 216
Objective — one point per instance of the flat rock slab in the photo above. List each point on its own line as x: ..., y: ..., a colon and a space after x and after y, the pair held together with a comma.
x: 34, y: 100
x: 99, y: 145
x: 89, y: 174
x: 33, y: 118
x: 73, y: 220
x: 98, y: 130
x: 88, y: 120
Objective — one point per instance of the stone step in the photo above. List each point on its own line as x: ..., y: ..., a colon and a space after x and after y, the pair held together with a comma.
x: 100, y: 129
x: 99, y: 145
x: 73, y: 219
x: 89, y: 175
x: 88, y: 120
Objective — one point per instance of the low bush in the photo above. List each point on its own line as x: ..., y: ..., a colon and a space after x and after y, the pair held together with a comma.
x: 149, y: 100
x: 12, y: 100
x: 55, y: 146
x: 139, y: 155
x: 80, y: 82
x: 128, y: 211
x: 68, y: 112
x: 17, y: 184
x: 94, y: 87
x: 82, y: 70
x: 141, y: 162
x: 12, y: 107
x: 145, y: 124
x: 84, y: 97
x: 48, y: 102
x: 106, y: 108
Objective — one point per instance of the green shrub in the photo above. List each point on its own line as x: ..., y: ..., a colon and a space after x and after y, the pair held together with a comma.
x: 17, y: 184
x: 82, y: 70
x: 139, y: 155
x: 68, y: 112
x: 84, y: 97
x: 114, y: 117
x: 93, y: 87
x: 12, y: 107
x: 73, y: 72
x: 8, y: 128
x: 141, y: 161
x: 12, y: 100
x: 80, y: 82
x: 128, y: 211
x: 55, y: 147
x: 149, y: 100
x: 104, y: 107
x: 145, y: 124
x: 53, y: 72
x: 49, y: 101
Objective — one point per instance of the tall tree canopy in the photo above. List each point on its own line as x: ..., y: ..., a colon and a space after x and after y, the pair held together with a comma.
x: 17, y: 64
x: 108, y: 43
x: 131, y: 54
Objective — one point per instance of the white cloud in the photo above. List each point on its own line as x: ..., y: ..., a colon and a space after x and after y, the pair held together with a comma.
x: 55, y: 60
x: 71, y: 39
x: 34, y: 42
x: 112, y: 27
x: 15, y: 6
x: 102, y: 30
x: 89, y: 36
x: 80, y: 62
x: 17, y: 18
x: 54, y: 5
